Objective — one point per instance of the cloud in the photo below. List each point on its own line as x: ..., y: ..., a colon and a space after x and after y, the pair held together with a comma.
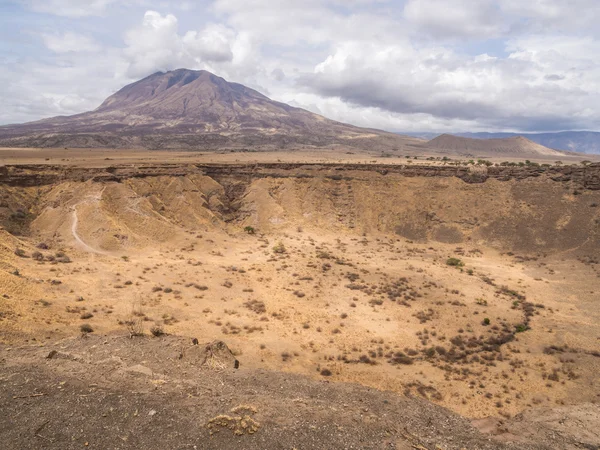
x: 70, y: 42
x: 554, y: 15
x: 498, y: 93
x: 41, y: 89
x: 455, y: 18
x: 213, y: 43
x: 157, y: 45
x: 399, y: 65
x: 70, y: 8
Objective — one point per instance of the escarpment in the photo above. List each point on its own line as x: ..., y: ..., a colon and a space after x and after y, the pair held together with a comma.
x: 511, y: 208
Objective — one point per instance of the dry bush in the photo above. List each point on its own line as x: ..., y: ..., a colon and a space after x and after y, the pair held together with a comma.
x: 157, y: 331
x: 241, y: 423
x: 257, y: 306
x: 135, y: 321
x: 279, y: 248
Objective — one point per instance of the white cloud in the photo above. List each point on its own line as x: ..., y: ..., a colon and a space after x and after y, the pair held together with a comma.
x: 213, y: 43
x: 455, y: 18
x: 69, y: 84
x: 70, y: 8
x: 414, y: 65
x: 157, y: 45
x: 555, y: 15
x: 505, y: 93
x: 70, y: 42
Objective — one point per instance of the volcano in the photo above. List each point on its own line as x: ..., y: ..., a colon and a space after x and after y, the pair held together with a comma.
x: 191, y: 109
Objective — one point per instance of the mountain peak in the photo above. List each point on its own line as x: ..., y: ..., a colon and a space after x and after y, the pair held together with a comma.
x: 185, y: 108
x: 156, y: 85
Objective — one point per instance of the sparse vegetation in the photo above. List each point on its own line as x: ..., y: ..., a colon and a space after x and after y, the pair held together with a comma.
x: 454, y: 262
x: 86, y: 328
x: 279, y: 248
x: 157, y: 331
x: 368, y: 293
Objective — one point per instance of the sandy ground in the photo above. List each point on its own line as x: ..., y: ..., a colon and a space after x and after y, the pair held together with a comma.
x: 107, y: 157
x: 298, y: 312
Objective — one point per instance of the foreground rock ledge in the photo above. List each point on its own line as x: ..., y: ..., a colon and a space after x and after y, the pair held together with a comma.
x: 152, y: 393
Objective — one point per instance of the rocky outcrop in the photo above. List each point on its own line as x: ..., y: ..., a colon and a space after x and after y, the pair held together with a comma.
x: 580, y: 176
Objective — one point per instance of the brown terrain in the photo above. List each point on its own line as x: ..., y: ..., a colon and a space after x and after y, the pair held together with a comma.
x: 515, y: 146
x: 358, y: 290
x: 369, y: 305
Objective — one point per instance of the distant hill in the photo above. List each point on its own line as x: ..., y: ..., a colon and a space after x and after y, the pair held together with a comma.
x: 511, y: 146
x: 574, y: 141
x: 195, y: 109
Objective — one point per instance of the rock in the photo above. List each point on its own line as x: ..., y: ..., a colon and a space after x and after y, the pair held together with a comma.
x: 217, y: 355
x: 138, y: 368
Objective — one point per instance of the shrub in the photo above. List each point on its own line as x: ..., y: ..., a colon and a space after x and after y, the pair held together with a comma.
x: 86, y: 328
x: 20, y: 252
x: 401, y: 358
x: 454, y: 262
x: 250, y: 230
x: 157, y: 331
x: 37, y: 256
x: 326, y: 372
x: 486, y: 321
x: 135, y: 326
x: 279, y: 248
x: 86, y: 315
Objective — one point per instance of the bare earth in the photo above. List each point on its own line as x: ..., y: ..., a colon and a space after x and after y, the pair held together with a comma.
x: 106, y: 157
x: 481, y: 298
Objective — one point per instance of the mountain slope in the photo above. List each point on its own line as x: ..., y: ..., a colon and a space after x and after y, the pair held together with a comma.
x: 185, y: 108
x: 512, y: 146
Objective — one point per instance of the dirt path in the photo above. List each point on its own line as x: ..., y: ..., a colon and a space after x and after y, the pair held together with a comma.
x: 75, y: 222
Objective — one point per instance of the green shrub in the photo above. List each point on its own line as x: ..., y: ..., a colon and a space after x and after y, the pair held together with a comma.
x: 521, y: 328
x: 454, y: 262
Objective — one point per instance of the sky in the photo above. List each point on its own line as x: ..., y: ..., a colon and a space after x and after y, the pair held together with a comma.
x: 398, y: 65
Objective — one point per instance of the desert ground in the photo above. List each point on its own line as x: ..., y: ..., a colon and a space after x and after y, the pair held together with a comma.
x: 479, y: 297
x: 102, y: 157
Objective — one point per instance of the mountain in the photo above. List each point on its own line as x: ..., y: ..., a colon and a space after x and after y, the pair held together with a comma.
x: 195, y: 109
x: 511, y: 146
x: 574, y: 141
